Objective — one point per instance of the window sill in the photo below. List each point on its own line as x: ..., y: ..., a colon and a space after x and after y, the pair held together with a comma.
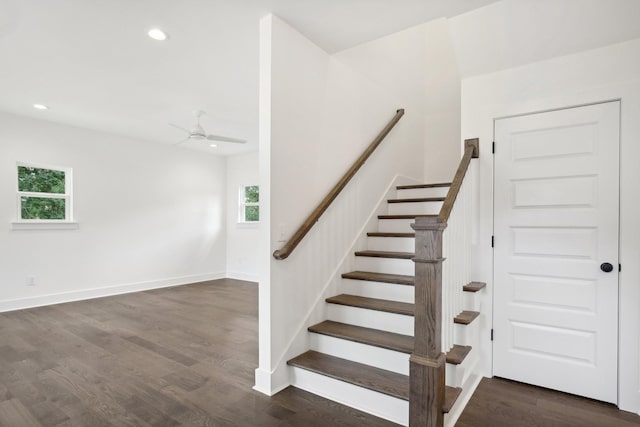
x: 44, y: 225
x: 253, y: 224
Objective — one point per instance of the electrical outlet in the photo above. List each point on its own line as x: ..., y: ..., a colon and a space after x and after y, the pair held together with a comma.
x: 31, y: 280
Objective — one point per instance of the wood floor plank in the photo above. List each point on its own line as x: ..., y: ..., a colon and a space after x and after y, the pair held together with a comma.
x: 14, y: 413
x: 167, y: 357
x: 68, y: 379
x: 499, y: 402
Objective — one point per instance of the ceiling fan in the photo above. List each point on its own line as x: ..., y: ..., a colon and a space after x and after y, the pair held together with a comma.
x: 197, y: 132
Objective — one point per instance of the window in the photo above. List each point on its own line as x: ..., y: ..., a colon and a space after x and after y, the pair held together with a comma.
x: 249, y: 204
x: 44, y: 194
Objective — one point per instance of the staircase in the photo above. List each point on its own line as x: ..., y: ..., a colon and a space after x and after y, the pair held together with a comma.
x: 359, y: 356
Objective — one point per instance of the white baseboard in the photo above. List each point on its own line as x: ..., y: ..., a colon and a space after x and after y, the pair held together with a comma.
x: 270, y: 383
x: 242, y: 276
x: 62, y: 297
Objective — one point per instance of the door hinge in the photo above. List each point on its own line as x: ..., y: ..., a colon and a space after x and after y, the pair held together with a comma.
x: 492, y: 241
x: 493, y: 147
x: 492, y: 335
x: 620, y: 267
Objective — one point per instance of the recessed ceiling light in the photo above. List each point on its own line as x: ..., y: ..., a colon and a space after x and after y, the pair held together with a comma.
x: 40, y: 107
x: 213, y: 145
x: 157, y: 34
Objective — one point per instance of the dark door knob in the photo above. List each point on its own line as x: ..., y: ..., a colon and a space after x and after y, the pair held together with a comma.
x: 606, y: 267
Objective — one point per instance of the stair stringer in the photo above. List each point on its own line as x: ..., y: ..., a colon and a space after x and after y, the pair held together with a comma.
x: 471, y: 376
x: 282, y: 375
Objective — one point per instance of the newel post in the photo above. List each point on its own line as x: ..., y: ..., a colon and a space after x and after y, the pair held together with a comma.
x: 427, y: 363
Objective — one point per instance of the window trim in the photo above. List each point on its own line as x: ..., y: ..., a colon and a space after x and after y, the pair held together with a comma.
x: 242, y: 204
x: 26, y: 224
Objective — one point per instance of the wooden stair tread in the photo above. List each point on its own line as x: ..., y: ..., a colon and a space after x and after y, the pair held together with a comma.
x: 409, y: 216
x: 382, y: 339
x: 380, y: 234
x: 373, y: 304
x: 451, y: 394
x: 386, y: 382
x: 376, y: 379
x: 410, y: 187
x: 375, y: 337
x: 399, y: 279
x: 457, y: 354
x: 417, y: 200
x: 466, y: 317
x: 386, y: 254
x: 474, y: 286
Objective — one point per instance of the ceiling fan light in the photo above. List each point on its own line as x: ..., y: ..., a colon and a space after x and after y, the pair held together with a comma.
x: 213, y: 145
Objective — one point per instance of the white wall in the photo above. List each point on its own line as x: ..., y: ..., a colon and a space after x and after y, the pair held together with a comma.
x: 242, y: 238
x: 603, y: 74
x: 511, y: 33
x: 317, y: 116
x: 420, y: 64
x: 148, y: 215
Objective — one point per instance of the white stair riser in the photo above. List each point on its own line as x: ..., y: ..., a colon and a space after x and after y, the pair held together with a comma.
x: 385, y: 265
x: 382, y: 358
x: 395, y: 225
x: 456, y: 375
x: 392, y: 244
x: 471, y: 301
x: 388, y: 291
x: 425, y: 208
x: 466, y: 334
x: 390, y: 360
x: 378, y: 404
x: 391, y: 322
x: 422, y: 192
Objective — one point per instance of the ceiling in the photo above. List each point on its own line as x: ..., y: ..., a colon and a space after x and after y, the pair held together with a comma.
x: 93, y: 65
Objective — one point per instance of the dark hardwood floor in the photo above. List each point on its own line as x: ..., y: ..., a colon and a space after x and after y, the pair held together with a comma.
x: 498, y: 402
x: 186, y: 356
x: 167, y: 357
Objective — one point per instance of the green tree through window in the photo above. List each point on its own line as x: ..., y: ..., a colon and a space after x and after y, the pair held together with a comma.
x: 250, y: 203
x: 43, y: 193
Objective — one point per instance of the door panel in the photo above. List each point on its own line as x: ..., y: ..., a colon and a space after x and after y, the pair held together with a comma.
x: 556, y: 220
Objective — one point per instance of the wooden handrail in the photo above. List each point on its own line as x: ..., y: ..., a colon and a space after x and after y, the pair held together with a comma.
x: 302, y: 231
x: 471, y: 151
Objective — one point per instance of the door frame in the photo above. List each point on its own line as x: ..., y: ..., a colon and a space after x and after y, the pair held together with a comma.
x: 493, y: 222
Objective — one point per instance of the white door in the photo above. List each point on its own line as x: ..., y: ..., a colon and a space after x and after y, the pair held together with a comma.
x: 555, y: 223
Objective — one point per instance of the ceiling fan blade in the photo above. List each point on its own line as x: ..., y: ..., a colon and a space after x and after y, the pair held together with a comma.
x: 180, y: 127
x: 181, y: 142
x: 225, y: 139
